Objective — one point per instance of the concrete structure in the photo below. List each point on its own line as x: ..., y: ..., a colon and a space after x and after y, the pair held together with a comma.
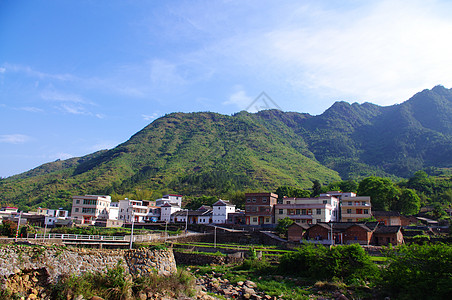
x: 7, y: 212
x: 308, y: 210
x: 389, y: 218
x: 202, y: 215
x: 354, y: 209
x: 113, y: 213
x: 220, y: 211
x: 135, y: 209
x: 86, y: 209
x: 259, y: 208
x: 171, y: 199
x: 167, y: 210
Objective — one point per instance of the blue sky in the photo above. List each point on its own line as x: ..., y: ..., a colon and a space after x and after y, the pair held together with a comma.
x: 79, y: 76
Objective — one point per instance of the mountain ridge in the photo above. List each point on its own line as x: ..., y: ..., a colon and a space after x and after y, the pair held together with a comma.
x: 211, y: 153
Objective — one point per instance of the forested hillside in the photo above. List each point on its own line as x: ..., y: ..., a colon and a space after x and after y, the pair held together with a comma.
x: 213, y: 154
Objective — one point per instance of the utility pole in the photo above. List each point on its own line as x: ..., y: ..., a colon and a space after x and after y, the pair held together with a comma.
x: 131, y: 232
x: 17, y: 230
x: 186, y: 223
x: 215, y: 238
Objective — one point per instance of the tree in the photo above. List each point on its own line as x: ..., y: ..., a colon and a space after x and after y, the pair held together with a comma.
x: 408, y: 203
x: 8, y: 228
x: 316, y: 188
x: 382, y: 191
x: 289, y: 191
x: 283, y: 224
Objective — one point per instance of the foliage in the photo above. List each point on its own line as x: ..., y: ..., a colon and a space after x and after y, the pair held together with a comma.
x: 115, y: 284
x: 292, y: 192
x: 213, y: 154
x: 348, y: 263
x: 8, y: 228
x: 419, y: 272
x: 283, y: 224
x: 382, y: 191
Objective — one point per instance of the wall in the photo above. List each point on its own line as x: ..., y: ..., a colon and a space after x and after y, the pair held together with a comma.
x: 59, y: 261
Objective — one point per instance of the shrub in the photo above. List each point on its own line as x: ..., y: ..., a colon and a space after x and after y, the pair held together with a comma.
x: 348, y: 263
x: 419, y: 272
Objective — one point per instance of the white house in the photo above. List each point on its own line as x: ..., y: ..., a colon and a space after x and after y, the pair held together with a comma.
x: 171, y: 199
x: 220, y: 211
x: 129, y: 208
x: 87, y: 209
x: 113, y: 213
x: 166, y: 210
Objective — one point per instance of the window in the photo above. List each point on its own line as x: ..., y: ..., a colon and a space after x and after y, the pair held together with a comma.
x: 309, y: 211
x: 297, y: 221
x: 281, y: 211
x: 264, y: 199
x: 76, y: 209
x: 325, y: 201
x: 297, y: 211
x: 267, y: 220
x: 248, y: 200
x: 77, y: 201
x: 287, y: 202
x: 89, y: 202
x: 366, y: 211
x: 363, y: 203
x: 255, y: 219
x: 318, y: 220
x: 350, y: 203
x: 359, y: 211
x: 303, y: 211
x: 349, y: 211
x: 318, y: 211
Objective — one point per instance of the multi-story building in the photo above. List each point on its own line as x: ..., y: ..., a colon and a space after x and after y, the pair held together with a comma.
x: 353, y: 208
x: 259, y: 208
x: 171, y: 199
x: 308, y: 210
x: 132, y: 209
x: 87, y: 209
x: 167, y: 210
x: 220, y: 211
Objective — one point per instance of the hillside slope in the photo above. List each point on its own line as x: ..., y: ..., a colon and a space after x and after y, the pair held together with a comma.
x: 210, y: 153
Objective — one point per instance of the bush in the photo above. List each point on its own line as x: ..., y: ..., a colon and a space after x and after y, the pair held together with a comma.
x: 349, y: 263
x: 419, y: 272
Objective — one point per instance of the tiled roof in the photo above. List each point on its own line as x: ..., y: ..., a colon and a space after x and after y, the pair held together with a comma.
x: 388, y: 229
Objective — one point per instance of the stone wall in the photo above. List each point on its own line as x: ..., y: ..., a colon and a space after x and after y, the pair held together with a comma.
x: 59, y: 261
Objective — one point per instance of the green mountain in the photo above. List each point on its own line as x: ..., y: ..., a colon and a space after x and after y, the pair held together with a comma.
x: 210, y: 153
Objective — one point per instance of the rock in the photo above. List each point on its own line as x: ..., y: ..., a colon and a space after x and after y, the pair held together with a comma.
x: 240, y: 283
x: 249, y: 283
x: 80, y: 297
x: 32, y: 296
x: 96, y: 298
x: 142, y: 295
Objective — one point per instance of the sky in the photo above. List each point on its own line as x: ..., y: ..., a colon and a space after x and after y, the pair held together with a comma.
x: 78, y: 76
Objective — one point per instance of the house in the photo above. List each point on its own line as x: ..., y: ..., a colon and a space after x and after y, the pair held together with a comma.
x: 353, y: 208
x: 296, y: 231
x: 7, y: 212
x: 237, y: 218
x: 389, y: 218
x: 202, y: 215
x: 87, y: 209
x: 171, y: 199
x: 135, y: 209
x: 167, y: 210
x: 308, y: 210
x: 220, y: 211
x: 259, y: 208
x: 358, y: 233
x: 385, y: 235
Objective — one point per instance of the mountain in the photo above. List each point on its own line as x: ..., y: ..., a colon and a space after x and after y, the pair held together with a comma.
x: 210, y: 153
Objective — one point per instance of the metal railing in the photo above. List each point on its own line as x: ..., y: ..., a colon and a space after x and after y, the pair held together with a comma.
x: 83, y: 237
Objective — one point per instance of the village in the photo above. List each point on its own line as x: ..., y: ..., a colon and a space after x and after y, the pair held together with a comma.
x: 332, y: 218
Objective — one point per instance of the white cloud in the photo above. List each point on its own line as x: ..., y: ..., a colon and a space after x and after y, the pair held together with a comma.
x: 239, y: 99
x: 14, y: 138
x: 52, y: 95
x: 31, y: 109
x: 2, y: 70
x: 150, y: 117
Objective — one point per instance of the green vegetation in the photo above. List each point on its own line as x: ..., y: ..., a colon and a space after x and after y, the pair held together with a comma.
x: 210, y: 154
x: 115, y: 284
